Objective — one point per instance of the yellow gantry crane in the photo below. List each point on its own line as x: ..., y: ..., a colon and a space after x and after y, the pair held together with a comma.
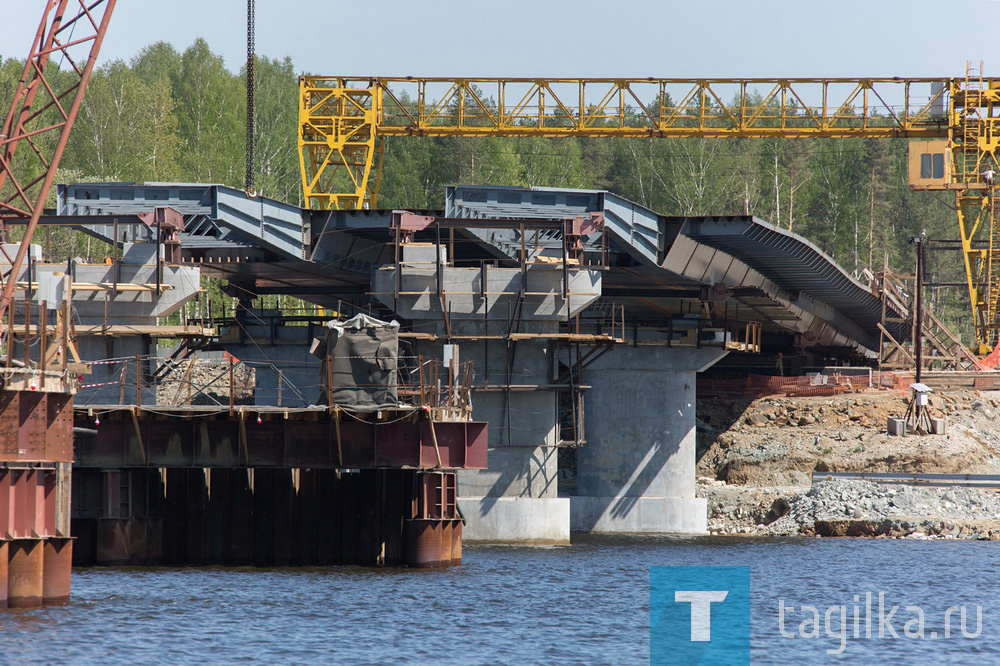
x: 344, y: 121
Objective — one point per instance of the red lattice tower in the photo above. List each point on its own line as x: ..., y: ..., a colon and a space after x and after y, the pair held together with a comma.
x: 42, y: 112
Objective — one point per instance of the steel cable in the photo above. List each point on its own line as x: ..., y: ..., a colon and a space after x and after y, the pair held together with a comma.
x: 248, y: 179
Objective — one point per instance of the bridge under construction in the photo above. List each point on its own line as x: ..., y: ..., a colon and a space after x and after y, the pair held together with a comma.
x: 515, y: 365
x: 541, y: 331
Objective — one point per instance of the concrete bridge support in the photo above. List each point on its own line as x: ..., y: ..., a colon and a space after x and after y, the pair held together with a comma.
x: 502, y: 320
x: 516, y: 499
x: 636, y: 472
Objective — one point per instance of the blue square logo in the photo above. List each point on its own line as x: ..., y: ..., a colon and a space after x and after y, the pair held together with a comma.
x: 699, y: 615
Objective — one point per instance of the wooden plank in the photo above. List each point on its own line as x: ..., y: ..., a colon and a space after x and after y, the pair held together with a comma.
x: 893, y: 341
x: 103, y: 286
x: 138, y: 435
x: 573, y: 337
x: 156, y: 331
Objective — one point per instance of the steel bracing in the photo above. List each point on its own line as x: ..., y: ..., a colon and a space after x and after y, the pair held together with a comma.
x: 974, y: 134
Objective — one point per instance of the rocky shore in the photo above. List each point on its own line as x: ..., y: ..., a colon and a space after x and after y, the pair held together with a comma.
x: 840, y: 508
x: 761, y: 467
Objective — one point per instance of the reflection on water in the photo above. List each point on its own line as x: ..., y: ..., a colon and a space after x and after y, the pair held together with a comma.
x: 583, y: 603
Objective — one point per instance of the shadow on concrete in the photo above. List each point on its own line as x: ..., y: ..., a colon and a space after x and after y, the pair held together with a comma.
x: 644, y: 425
x: 636, y: 488
x: 529, y: 473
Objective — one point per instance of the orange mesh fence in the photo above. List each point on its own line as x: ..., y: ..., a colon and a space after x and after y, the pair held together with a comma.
x: 898, y: 382
x: 992, y: 360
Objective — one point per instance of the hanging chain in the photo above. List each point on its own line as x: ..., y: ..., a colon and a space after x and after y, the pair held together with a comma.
x: 248, y: 179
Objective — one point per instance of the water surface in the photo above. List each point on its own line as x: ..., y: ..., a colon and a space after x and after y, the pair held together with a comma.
x: 585, y: 603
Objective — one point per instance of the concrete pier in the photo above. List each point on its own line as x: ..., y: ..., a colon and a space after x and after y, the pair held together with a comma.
x: 115, y: 308
x: 516, y: 500
x: 636, y: 473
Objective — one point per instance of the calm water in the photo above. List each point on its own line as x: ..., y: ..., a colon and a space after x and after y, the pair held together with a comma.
x: 588, y: 602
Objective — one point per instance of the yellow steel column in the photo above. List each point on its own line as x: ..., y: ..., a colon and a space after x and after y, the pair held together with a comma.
x: 337, y: 143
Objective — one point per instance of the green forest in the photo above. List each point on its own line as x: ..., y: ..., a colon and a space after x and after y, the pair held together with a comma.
x: 170, y: 115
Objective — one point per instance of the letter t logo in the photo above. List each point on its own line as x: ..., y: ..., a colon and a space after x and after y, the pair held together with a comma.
x: 701, y: 610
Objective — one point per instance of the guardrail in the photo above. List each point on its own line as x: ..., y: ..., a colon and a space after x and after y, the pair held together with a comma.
x: 990, y: 481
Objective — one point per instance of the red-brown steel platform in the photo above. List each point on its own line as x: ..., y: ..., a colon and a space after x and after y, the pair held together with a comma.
x: 197, y: 485
x: 113, y: 436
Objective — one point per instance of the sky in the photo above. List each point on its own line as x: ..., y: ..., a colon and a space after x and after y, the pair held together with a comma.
x: 570, y: 38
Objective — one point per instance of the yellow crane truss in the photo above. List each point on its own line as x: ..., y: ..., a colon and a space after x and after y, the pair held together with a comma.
x: 344, y: 121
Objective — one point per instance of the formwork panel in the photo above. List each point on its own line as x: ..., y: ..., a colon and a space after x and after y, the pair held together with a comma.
x: 214, y: 441
x: 476, y: 446
x: 239, y: 518
x: 217, y: 443
x: 196, y: 517
x: 451, y: 445
x: 174, y: 525
x: 7, y: 504
x: 169, y: 442
x: 397, y: 444
x: 327, y: 521
x: 85, y: 536
x: 4, y: 549
x: 10, y: 425
x: 262, y: 534
x: 266, y: 443
x: 59, y: 431
x: 57, y: 562
x: 33, y: 417
x: 358, y: 443
x: 23, y: 520
x: 137, y: 536
x: 219, y: 495
x: 348, y: 548
x: 310, y: 444
x: 134, y: 446
x: 48, y: 487
x: 88, y: 489
x: 113, y: 547
x: 285, y: 538
x: 24, y: 574
x: 107, y: 448
x: 37, y: 485
x: 154, y: 540
x: 305, y: 516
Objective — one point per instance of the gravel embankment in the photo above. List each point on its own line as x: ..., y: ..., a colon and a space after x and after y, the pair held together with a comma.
x: 859, y: 508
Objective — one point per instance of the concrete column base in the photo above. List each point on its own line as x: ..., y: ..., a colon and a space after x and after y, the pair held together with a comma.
x: 639, y: 515
x: 522, y: 520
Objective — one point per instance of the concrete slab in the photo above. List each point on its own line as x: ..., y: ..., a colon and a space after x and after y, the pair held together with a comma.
x: 519, y: 520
